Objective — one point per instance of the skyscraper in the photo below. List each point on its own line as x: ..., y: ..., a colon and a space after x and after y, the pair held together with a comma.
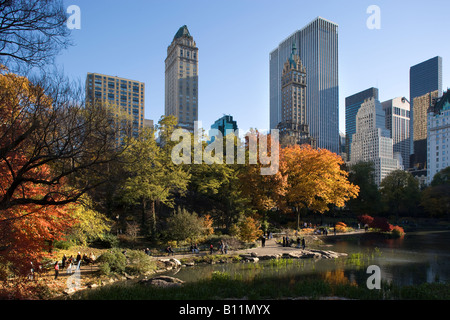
x: 352, y: 105
x: 438, y: 136
x: 424, y: 78
x: 372, y: 141
x: 293, y: 127
x: 181, y: 76
x: 225, y: 125
x: 318, y: 50
x: 397, y: 122
x: 123, y: 95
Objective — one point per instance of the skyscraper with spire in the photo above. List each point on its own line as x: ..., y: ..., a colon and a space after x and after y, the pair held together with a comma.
x: 181, y: 76
x: 293, y: 127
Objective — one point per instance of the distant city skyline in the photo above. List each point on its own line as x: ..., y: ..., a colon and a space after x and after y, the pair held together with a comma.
x: 131, y: 42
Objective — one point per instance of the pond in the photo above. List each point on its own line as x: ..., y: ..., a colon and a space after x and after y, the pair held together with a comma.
x: 417, y: 258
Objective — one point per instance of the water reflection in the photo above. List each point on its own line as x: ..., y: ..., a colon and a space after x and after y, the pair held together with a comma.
x: 417, y: 258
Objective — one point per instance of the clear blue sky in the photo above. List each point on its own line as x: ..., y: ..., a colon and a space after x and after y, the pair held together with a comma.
x: 130, y: 39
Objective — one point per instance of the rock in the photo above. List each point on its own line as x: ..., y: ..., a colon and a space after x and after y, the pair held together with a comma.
x: 176, y: 261
x: 92, y: 286
x: 163, y: 281
x: 254, y: 254
x: 189, y: 264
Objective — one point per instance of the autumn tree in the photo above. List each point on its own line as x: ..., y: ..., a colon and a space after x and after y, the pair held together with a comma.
x: 315, y: 179
x: 183, y: 225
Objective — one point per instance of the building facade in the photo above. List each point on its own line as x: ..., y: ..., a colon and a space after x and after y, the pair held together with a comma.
x: 397, y: 122
x: 225, y: 125
x: 352, y: 105
x: 125, y: 96
x: 293, y: 128
x: 421, y: 106
x: 318, y: 50
x: 424, y: 78
x: 372, y: 141
x: 438, y: 144
x: 181, y: 79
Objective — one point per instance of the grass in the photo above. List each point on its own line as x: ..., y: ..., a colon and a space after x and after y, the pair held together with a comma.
x: 221, y: 286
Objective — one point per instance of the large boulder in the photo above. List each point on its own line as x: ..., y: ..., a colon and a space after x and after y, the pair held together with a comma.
x: 163, y: 281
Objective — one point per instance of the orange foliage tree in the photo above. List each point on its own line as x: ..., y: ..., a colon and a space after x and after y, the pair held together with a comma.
x: 315, y: 178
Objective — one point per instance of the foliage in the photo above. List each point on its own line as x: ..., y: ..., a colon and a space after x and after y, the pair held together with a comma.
x: 315, y: 178
x: 441, y: 178
x: 368, y: 201
x: 139, y: 262
x: 397, y: 232
x: 381, y: 224
x: 341, y: 227
x: 186, y: 226
x: 112, y: 261
x: 365, y: 219
x: 400, y: 192
x: 247, y: 229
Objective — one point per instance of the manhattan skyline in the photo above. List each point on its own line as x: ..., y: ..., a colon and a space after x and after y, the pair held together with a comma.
x: 235, y: 39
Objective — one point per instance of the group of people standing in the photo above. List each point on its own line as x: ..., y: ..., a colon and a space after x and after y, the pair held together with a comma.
x: 71, y: 262
x: 287, y: 242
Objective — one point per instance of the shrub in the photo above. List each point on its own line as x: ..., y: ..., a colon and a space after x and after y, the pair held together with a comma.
x: 115, y: 260
x: 107, y: 241
x: 341, y: 227
x: 139, y: 262
x: 63, y: 245
x: 382, y: 224
x: 397, y: 232
x: 365, y: 219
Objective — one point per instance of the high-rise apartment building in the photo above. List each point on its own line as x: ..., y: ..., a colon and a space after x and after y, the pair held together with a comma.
x: 438, y: 143
x: 225, y: 125
x: 397, y: 122
x: 372, y: 141
x: 122, y: 95
x: 424, y: 78
x: 293, y: 127
x: 352, y: 105
x: 318, y: 50
x: 181, y: 76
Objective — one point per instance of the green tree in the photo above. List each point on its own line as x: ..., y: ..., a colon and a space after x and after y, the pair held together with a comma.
x: 400, y: 192
x: 436, y: 198
x: 362, y: 174
x: 186, y: 226
x: 151, y: 174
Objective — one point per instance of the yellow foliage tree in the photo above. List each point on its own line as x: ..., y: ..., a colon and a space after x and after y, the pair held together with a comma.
x: 315, y: 178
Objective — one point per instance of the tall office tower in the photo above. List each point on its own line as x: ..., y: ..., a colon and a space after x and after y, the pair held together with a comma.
x: 318, y: 50
x: 123, y: 95
x: 352, y: 105
x: 424, y: 77
x: 397, y: 121
x: 372, y: 141
x: 421, y: 106
x: 181, y: 97
x: 293, y: 127
x: 438, y: 157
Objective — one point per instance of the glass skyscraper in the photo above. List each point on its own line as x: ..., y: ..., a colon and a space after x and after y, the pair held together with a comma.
x: 352, y: 105
x: 424, y: 78
x: 318, y: 49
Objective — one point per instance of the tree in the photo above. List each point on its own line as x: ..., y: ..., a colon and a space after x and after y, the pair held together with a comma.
x: 436, y: 198
x: 247, y: 229
x: 187, y: 226
x: 400, y: 191
x: 151, y: 175
x: 315, y: 178
x: 32, y: 32
x: 368, y: 200
x: 44, y: 124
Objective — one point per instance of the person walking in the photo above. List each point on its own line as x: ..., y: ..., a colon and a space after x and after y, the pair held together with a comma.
x: 56, y: 270
x: 211, y: 249
x: 263, y: 241
x: 303, y: 243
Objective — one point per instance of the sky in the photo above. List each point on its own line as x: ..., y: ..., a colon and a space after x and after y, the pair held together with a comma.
x: 129, y: 39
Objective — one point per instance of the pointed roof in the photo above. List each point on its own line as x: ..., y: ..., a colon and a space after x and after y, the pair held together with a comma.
x: 182, y: 32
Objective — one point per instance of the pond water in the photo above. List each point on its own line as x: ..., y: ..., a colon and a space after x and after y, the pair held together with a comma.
x: 417, y: 258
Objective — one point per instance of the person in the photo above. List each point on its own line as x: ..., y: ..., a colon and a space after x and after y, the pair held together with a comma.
x: 263, y: 241
x: 63, y: 261
x: 298, y: 242
x: 169, y: 250
x: 56, y: 270
x: 226, y: 248
x: 287, y: 241
x: 78, y: 257
x: 196, y: 248
x: 211, y: 249
x: 284, y: 241
x: 303, y: 243
x: 221, y: 246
